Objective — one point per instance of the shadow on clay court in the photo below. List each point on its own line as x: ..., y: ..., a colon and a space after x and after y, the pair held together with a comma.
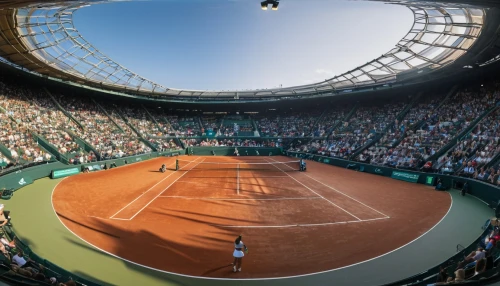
x: 201, y: 216
x: 81, y: 224
x: 217, y: 269
x: 158, y: 251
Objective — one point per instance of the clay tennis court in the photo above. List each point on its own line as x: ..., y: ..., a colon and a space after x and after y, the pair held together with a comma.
x: 293, y: 222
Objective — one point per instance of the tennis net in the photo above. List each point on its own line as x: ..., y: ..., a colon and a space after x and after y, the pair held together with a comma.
x: 241, y: 166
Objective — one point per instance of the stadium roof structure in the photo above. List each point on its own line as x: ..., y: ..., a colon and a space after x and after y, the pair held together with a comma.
x: 40, y: 37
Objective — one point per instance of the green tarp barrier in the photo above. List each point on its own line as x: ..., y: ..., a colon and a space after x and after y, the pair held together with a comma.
x: 404, y: 176
x: 56, y: 174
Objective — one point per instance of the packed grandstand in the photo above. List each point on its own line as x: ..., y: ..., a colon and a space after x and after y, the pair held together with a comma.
x: 403, y: 134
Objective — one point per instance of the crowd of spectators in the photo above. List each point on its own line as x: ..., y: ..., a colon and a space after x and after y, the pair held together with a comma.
x: 439, y: 126
x: 19, y: 117
x: 477, y: 148
x: 296, y: 124
x: 236, y: 128
x: 35, y: 113
x: 210, y: 123
x: 478, y: 264
x: 350, y: 135
x: 101, y: 132
x: 20, y: 143
x: 119, y: 131
x: 19, y: 265
x: 330, y: 119
x: 232, y: 142
x: 160, y: 118
x: 398, y: 128
x: 185, y: 126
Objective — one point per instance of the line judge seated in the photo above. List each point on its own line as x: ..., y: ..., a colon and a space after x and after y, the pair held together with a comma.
x: 302, y: 164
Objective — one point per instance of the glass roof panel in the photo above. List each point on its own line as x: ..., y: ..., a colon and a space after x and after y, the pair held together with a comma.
x: 415, y: 62
x: 47, y: 32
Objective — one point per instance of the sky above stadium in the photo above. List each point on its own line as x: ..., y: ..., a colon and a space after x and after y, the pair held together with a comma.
x: 233, y: 44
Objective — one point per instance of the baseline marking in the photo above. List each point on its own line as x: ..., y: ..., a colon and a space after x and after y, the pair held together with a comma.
x: 334, y: 189
x: 298, y: 225
x: 232, y: 199
x: 144, y: 192
x: 315, y: 192
x: 165, y: 189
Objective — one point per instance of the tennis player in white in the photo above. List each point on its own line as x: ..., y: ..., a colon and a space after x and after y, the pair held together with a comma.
x: 238, y: 253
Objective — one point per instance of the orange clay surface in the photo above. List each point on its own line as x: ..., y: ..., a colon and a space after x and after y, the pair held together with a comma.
x: 292, y: 222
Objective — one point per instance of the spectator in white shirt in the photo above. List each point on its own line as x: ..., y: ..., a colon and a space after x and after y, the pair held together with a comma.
x: 22, y: 262
x: 469, y: 170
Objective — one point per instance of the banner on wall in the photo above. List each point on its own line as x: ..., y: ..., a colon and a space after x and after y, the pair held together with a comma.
x: 429, y: 180
x: 404, y: 176
x: 56, y: 174
x: 24, y: 180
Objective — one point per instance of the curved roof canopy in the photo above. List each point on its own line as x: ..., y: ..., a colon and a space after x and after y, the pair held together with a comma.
x: 42, y: 39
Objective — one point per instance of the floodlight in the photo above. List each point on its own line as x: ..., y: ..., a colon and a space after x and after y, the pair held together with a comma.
x: 275, y: 6
x: 263, y: 5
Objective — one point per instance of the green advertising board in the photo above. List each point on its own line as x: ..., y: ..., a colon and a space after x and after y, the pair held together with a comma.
x: 56, y: 174
x: 404, y: 176
x: 429, y: 180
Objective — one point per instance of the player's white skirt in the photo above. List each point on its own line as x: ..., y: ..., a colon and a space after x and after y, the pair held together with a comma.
x: 238, y: 253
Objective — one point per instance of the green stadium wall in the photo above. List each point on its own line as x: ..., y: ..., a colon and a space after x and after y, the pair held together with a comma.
x: 490, y: 194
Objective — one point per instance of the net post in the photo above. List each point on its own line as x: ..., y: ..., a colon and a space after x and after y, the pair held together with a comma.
x: 177, y: 164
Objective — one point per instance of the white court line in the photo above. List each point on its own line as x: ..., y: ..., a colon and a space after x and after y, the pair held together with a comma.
x: 239, y: 279
x: 332, y: 188
x: 117, y: 218
x: 298, y: 225
x: 144, y: 192
x: 314, y: 191
x: 166, y: 189
x: 238, y: 179
x: 232, y: 199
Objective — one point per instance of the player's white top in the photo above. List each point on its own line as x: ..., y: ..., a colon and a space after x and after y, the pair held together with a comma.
x: 239, y: 253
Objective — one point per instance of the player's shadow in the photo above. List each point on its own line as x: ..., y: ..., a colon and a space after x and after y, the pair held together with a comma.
x: 208, y: 272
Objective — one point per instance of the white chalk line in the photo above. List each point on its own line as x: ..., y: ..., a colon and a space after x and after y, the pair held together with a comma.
x: 346, y: 195
x: 317, y: 193
x: 233, y: 199
x: 299, y: 225
x: 165, y: 189
x: 144, y: 193
x: 113, y: 216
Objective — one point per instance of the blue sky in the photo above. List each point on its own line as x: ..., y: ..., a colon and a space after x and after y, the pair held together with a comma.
x: 233, y: 44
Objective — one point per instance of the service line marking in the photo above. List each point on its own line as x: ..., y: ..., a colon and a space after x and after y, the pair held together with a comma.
x: 144, y: 193
x: 315, y: 192
x: 165, y: 189
x: 334, y: 189
x: 299, y: 225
